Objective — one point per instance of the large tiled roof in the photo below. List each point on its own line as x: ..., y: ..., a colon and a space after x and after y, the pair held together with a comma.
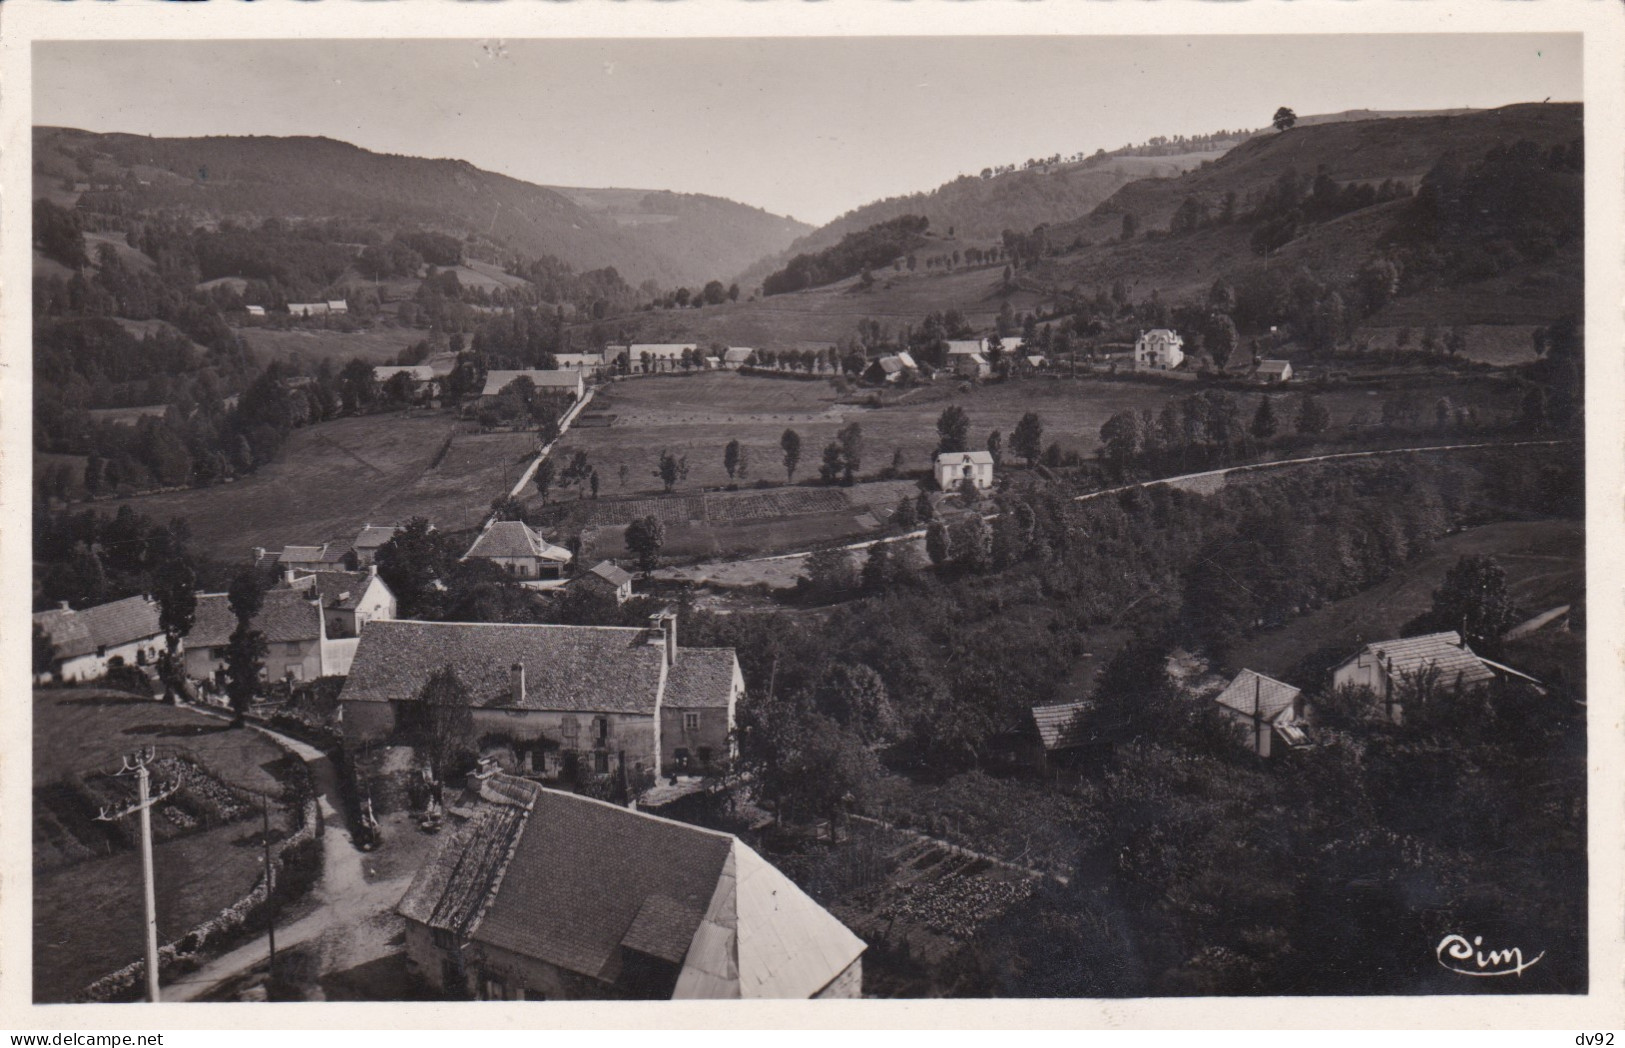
x: 287, y: 615
x: 586, y: 669
x: 585, y: 875
x: 119, y: 622
x: 338, y: 589
x: 702, y: 678
x: 1444, y: 651
x: 1253, y: 693
x: 563, y: 378
x: 965, y: 347
x: 514, y: 538
x: 1060, y: 727
x: 449, y: 892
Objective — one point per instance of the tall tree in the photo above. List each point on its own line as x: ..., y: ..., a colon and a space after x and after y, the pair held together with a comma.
x: 1473, y: 600
x: 446, y: 735
x: 953, y: 430
x: 1027, y: 440
x: 644, y: 538
x: 1284, y: 118
x: 543, y: 478
x: 1264, y: 424
x: 730, y: 458
x: 246, y: 649
x: 790, y: 444
x: 1313, y: 418
x: 176, y: 592
x: 411, y: 563
x: 851, y: 439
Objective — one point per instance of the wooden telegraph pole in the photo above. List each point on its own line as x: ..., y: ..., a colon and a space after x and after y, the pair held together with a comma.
x: 136, y: 764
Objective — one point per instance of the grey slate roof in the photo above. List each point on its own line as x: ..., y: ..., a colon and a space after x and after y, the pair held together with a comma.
x: 960, y: 458
x: 1445, y: 651
x: 119, y: 622
x: 372, y: 536
x: 451, y: 889
x: 585, y: 669
x: 586, y: 875
x: 338, y: 589
x: 562, y: 378
x: 610, y: 572
x: 1253, y: 692
x: 514, y: 538
x: 287, y: 615
x: 701, y: 679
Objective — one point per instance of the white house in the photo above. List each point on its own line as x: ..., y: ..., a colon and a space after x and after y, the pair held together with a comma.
x: 337, y: 305
x: 89, y: 639
x: 255, y: 311
x: 1385, y: 666
x: 1274, y: 371
x: 309, y: 309
x: 1158, y: 350
x: 1269, y: 714
x: 736, y: 357
x: 513, y: 546
x: 955, y: 467
x: 964, y: 347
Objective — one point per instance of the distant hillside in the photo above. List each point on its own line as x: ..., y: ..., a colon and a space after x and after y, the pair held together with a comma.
x: 1042, y: 191
x: 672, y: 238
x: 1473, y: 274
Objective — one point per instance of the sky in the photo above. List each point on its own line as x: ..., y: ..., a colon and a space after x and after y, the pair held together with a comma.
x: 808, y: 127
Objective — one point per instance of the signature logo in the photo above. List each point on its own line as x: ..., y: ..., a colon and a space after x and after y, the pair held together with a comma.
x: 1467, y: 958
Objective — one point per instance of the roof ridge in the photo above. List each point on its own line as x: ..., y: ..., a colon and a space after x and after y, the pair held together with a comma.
x: 511, y: 625
x: 639, y: 814
x: 528, y: 808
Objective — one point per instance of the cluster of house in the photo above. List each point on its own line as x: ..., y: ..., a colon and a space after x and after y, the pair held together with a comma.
x: 648, y: 357
x: 1270, y: 717
x: 1162, y: 349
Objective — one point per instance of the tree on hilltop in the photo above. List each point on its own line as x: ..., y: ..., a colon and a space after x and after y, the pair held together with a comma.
x: 1284, y: 118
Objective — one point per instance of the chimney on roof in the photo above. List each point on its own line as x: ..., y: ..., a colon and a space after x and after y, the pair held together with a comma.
x: 287, y: 576
x: 63, y: 605
x: 664, y: 623
x: 516, y: 683
x: 372, y: 569
x: 259, y: 553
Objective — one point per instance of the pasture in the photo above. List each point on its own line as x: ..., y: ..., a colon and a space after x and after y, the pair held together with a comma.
x: 87, y: 913
x: 1545, y: 565
x: 379, y: 344
x: 334, y: 477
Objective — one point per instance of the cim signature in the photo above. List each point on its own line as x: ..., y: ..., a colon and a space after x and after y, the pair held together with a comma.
x: 1495, y: 962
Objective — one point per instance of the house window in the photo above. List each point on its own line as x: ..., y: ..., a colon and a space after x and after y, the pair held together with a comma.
x: 444, y: 939
x: 691, y: 722
x: 600, y: 730
x: 570, y: 728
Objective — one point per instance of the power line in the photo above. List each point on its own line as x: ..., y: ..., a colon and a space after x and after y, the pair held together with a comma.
x: 136, y: 764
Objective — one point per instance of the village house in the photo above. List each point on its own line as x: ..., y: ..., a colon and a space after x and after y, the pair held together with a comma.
x: 424, y: 381
x: 368, y: 541
x: 973, y: 365
x: 513, y: 546
x: 1158, y: 350
x: 956, y: 467
x: 329, y: 556
x: 544, y: 895
x: 562, y: 382
x: 1268, y: 715
x: 891, y: 368
x: 963, y: 347
x: 88, y: 640
x: 1273, y: 372
x: 608, y: 577
x: 736, y: 357
x: 291, y: 621
x: 349, y: 599
x: 567, y: 701
x: 1386, y: 666
x: 255, y: 311
x: 591, y: 365
x: 1059, y: 734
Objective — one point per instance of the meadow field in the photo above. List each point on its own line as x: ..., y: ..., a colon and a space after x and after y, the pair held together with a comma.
x: 87, y: 915
x: 336, y: 476
x: 379, y: 344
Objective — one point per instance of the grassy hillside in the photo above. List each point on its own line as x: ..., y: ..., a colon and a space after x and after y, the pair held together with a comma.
x: 669, y: 237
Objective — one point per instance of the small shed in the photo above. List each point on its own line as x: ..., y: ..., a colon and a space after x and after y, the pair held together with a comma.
x: 608, y: 576
x: 1274, y: 372
x: 1268, y: 713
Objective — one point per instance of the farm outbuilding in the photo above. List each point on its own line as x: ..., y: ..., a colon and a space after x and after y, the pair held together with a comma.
x: 1268, y: 714
x: 89, y: 639
x: 564, y: 381
x: 1060, y: 735
x: 956, y: 467
x: 1273, y: 372
x: 609, y: 577
x: 518, y: 549
x: 546, y: 895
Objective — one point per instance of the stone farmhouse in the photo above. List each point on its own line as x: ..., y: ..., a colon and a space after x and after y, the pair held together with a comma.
x: 544, y: 895
x: 513, y: 546
x: 88, y: 640
x: 953, y: 468
x: 609, y: 577
x: 1268, y: 714
x: 1158, y: 350
x: 891, y: 368
x: 736, y: 357
x: 569, y: 701
x: 294, y: 629
x: 329, y: 556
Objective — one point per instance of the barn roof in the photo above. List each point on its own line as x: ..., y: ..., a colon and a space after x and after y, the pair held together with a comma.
x: 286, y: 616
x: 575, y: 882
x: 701, y: 678
x: 514, y: 538
x: 737, y: 354
x: 1274, y: 367
x: 1253, y: 692
x: 1058, y: 726
x: 118, y: 622
x: 560, y: 378
x: 581, y: 669
x: 1444, y: 651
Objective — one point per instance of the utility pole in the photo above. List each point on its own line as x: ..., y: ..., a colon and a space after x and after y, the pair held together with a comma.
x: 136, y: 764
x: 270, y: 888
